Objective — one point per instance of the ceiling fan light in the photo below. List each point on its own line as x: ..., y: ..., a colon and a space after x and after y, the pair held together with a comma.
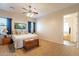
x: 28, y: 14
x: 32, y: 15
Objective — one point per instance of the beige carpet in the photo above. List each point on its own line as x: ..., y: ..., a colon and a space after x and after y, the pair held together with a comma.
x: 46, y: 48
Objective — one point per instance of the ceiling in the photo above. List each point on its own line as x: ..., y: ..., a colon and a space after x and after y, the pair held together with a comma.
x: 42, y: 8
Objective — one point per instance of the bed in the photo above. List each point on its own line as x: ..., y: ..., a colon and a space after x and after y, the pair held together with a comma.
x: 18, y: 39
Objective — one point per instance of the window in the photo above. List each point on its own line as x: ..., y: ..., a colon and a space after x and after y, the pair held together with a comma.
x: 3, y: 24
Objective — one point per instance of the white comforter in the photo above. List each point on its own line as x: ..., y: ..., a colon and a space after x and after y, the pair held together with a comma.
x: 18, y: 39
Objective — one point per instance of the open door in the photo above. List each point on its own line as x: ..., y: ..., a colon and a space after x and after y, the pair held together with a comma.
x: 70, y: 29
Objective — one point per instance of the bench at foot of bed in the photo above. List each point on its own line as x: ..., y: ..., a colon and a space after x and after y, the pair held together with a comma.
x: 31, y: 43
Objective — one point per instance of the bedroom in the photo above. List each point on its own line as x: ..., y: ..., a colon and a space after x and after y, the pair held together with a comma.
x: 46, y: 28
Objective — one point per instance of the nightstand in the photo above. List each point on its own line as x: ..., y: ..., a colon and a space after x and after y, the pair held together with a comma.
x: 6, y: 40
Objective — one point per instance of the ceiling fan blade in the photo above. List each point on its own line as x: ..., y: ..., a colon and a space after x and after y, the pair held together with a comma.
x: 24, y: 12
x: 24, y: 8
x: 35, y: 12
x: 35, y: 9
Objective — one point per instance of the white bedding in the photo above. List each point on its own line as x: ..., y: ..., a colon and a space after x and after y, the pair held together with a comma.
x: 18, y: 39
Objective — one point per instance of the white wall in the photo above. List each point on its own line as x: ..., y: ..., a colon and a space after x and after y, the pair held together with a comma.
x: 50, y: 27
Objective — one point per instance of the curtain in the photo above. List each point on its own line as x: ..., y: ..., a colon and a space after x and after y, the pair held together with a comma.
x: 9, y: 26
x: 31, y: 27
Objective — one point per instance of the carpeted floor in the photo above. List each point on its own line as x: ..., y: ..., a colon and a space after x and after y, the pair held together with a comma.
x: 46, y: 48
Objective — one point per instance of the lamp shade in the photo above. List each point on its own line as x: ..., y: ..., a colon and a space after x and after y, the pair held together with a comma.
x: 5, y: 30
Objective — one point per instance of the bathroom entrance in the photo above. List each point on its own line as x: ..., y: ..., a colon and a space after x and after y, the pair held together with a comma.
x: 70, y: 29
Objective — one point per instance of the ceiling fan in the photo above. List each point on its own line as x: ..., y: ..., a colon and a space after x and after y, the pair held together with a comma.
x: 30, y: 11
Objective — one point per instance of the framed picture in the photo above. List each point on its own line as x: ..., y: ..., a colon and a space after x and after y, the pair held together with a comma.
x: 20, y: 26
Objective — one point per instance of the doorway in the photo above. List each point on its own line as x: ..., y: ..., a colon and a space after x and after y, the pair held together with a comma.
x: 70, y: 29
